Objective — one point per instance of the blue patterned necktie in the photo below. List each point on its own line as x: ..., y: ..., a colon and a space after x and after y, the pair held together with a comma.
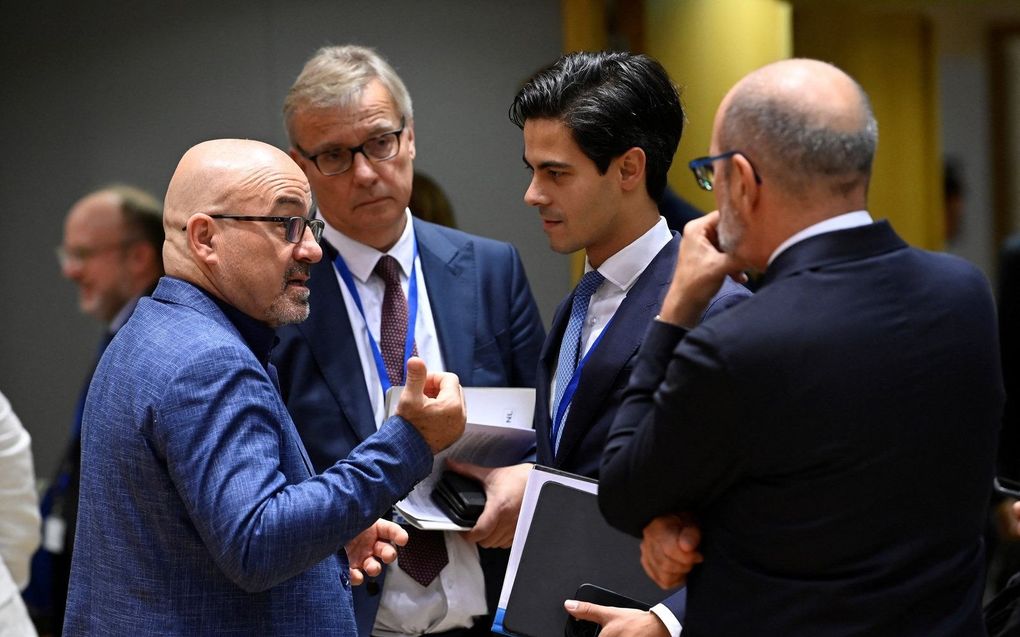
x: 570, y: 345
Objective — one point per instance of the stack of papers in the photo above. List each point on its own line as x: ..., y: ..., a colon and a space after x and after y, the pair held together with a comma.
x: 498, y: 433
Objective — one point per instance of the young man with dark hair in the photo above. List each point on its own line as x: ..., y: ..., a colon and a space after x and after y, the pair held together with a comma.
x: 600, y: 132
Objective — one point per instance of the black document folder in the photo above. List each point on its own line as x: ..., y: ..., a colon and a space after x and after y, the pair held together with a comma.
x: 569, y: 544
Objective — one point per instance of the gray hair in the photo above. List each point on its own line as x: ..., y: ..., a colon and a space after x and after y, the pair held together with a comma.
x: 795, y: 147
x: 335, y: 76
x: 143, y: 214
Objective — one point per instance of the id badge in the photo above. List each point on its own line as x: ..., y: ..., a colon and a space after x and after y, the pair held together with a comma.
x: 54, y: 529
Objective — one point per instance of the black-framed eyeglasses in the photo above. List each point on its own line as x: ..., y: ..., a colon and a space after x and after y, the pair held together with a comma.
x: 295, y: 225
x: 704, y: 170
x: 339, y: 160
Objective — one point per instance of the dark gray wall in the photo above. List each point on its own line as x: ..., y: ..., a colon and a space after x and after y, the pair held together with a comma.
x: 117, y: 91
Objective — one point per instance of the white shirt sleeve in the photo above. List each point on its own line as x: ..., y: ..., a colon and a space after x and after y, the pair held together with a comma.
x: 19, y: 524
x: 666, y: 617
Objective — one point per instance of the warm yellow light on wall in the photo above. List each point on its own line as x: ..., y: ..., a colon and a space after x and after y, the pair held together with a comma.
x: 707, y: 45
x: 891, y: 54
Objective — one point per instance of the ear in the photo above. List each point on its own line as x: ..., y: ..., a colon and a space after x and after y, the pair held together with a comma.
x: 744, y: 187
x: 409, y: 129
x: 202, y: 239
x: 632, y: 169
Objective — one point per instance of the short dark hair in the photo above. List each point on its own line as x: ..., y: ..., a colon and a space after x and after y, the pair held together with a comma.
x: 611, y: 102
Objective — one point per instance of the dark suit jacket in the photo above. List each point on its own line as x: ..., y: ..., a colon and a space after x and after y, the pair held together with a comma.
x: 834, y: 435
x: 489, y: 332
x: 606, y: 373
x: 1009, y: 318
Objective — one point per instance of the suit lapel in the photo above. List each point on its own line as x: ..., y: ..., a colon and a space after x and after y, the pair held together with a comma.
x: 618, y: 345
x: 331, y: 338
x: 450, y: 281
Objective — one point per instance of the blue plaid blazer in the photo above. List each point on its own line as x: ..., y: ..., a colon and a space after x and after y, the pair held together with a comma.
x: 199, y: 511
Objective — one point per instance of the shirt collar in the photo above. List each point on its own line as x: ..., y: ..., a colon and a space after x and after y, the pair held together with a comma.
x: 623, y: 268
x: 839, y: 222
x: 361, y: 258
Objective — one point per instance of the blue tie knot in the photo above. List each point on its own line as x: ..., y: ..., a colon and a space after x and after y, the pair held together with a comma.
x: 588, y: 284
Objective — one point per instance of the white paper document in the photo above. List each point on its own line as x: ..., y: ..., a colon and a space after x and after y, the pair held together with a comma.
x: 498, y: 433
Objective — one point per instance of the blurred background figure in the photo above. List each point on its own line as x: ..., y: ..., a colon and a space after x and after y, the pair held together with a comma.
x: 19, y: 523
x: 954, y: 192
x: 429, y: 202
x: 113, y: 252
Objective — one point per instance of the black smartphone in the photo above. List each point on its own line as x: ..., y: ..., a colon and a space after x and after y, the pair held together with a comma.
x: 460, y: 497
x: 603, y: 597
x: 1007, y: 487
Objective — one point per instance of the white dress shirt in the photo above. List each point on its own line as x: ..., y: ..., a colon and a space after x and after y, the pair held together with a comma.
x: 458, y: 593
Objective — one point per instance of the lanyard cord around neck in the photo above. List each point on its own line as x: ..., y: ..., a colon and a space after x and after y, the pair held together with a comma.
x: 412, y: 313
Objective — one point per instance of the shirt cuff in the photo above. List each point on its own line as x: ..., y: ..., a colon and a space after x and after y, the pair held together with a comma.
x: 667, y: 618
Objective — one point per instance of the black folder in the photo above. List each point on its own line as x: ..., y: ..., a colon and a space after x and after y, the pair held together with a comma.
x: 569, y: 544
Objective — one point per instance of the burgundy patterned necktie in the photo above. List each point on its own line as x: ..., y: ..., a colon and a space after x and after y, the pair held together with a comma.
x: 425, y: 554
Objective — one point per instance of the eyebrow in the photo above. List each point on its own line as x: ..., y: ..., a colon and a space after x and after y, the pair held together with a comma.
x: 286, y: 200
x: 547, y: 164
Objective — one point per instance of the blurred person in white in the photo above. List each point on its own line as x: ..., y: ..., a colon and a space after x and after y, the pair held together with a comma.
x: 19, y: 522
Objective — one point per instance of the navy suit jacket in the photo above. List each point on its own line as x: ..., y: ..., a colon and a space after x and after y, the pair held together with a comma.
x: 199, y: 511
x: 835, y: 437
x: 489, y: 330
x: 607, y: 372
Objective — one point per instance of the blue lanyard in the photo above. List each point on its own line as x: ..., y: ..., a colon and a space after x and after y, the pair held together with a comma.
x: 412, y: 313
x: 568, y: 393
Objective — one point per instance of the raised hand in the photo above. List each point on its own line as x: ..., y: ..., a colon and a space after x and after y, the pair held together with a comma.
x: 434, y: 404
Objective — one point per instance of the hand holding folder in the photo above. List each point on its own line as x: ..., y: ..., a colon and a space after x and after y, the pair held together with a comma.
x: 498, y: 433
x: 562, y: 542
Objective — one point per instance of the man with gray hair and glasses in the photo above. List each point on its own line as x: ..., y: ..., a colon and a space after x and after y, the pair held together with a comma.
x: 387, y: 287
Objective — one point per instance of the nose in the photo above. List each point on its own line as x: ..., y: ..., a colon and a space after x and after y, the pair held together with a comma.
x: 308, y: 249
x: 363, y: 169
x: 534, y: 196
